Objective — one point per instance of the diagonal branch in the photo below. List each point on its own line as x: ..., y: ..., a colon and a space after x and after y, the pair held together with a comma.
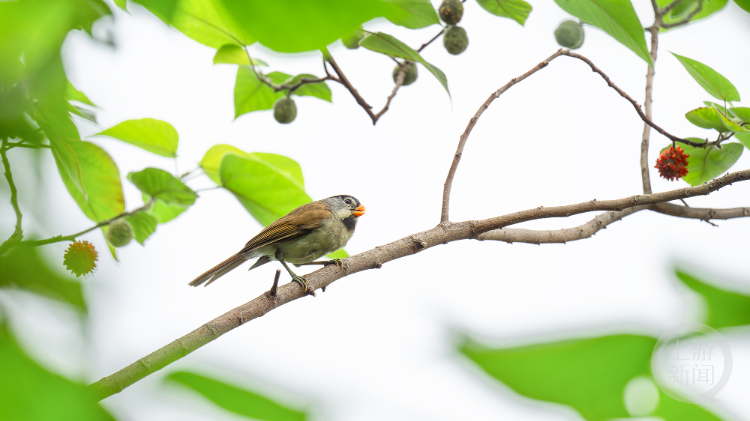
x: 375, y: 258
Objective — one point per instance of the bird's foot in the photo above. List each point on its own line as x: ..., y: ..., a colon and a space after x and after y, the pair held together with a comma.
x: 304, y: 284
x: 337, y: 262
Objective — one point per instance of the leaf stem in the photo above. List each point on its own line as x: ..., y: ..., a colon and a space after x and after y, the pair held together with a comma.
x: 17, y: 235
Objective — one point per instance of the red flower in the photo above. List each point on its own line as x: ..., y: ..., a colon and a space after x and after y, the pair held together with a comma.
x: 80, y: 258
x: 672, y: 163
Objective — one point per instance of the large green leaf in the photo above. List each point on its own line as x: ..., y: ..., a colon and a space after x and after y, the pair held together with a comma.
x: 205, y: 21
x: 725, y: 308
x: 518, y: 10
x: 73, y: 94
x: 681, y: 12
x: 743, y: 113
x: 744, y: 4
x: 163, y: 186
x: 705, y: 164
x: 101, y: 178
x: 267, y: 193
x: 155, y: 136
x: 144, y: 224
x: 714, y: 83
x: 744, y: 138
x: 236, y: 399
x: 24, y: 268
x: 250, y: 94
x: 293, y: 26
x: 615, y: 17
x: 390, y: 46
x: 165, y: 212
x: 234, y: 54
x: 711, y: 118
x: 586, y: 374
x: 28, y: 392
x: 211, y: 163
x: 412, y: 14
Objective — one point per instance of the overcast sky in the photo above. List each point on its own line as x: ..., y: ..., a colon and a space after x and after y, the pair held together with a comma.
x: 380, y: 344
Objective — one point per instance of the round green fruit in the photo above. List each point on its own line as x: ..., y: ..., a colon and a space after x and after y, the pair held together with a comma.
x: 119, y: 233
x: 411, y: 73
x: 352, y: 39
x: 451, y: 11
x: 570, y: 34
x: 455, y: 40
x: 284, y: 110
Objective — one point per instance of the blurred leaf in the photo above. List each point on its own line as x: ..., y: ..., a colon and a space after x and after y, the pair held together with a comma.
x: 104, y: 198
x: 265, y: 191
x: 586, y: 374
x: 715, y: 84
x: 744, y: 4
x: 615, y: 17
x: 709, y: 7
x: 705, y: 164
x: 292, y: 26
x: 155, y: 136
x: 144, y: 224
x: 84, y: 113
x: 725, y: 308
x: 743, y: 113
x: 28, y: 392
x: 250, y: 94
x: 163, y: 186
x: 318, y: 90
x: 390, y: 46
x: 518, y: 10
x: 112, y: 250
x: 338, y: 254
x: 211, y: 163
x: 235, y: 399
x: 165, y: 212
x: 165, y: 10
x: 122, y: 4
x: 24, y: 268
x: 412, y: 14
x: 73, y: 94
x: 744, y: 138
x: 234, y: 54
x: 718, y: 107
x: 711, y: 118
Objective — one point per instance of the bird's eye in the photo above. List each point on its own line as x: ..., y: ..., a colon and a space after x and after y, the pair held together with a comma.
x: 348, y: 201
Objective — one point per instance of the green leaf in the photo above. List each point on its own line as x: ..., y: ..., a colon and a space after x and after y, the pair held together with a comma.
x: 709, y: 7
x: 705, y: 164
x: 24, y: 268
x: 725, y: 308
x: 84, y: 113
x: 711, y: 118
x: 211, y: 163
x: 165, y: 10
x: 615, y: 17
x: 28, y: 392
x: 250, y: 94
x: 744, y: 4
x: 412, y: 14
x: 144, y: 224
x: 267, y: 193
x: 73, y: 94
x: 586, y: 374
x: 715, y: 84
x: 234, y: 54
x: 390, y: 46
x: 292, y: 26
x: 165, y: 212
x: 338, y: 254
x: 155, y: 136
x: 744, y: 138
x: 236, y: 399
x: 163, y: 186
x: 318, y: 90
x: 122, y: 4
x: 715, y: 105
x: 101, y: 178
x: 743, y: 113
x: 518, y: 10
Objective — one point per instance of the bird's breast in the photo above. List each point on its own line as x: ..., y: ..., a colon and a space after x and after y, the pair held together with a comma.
x: 319, y: 242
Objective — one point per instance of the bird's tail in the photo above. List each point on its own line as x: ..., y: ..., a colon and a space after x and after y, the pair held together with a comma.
x: 218, y: 271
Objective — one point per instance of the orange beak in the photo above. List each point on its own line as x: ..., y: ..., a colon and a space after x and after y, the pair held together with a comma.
x: 359, y: 211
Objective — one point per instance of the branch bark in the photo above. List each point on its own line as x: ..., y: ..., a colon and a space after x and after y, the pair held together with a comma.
x: 375, y: 258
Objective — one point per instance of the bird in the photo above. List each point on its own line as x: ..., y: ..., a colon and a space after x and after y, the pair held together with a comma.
x: 303, y: 235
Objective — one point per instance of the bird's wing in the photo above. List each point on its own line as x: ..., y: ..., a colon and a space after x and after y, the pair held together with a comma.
x: 291, y: 227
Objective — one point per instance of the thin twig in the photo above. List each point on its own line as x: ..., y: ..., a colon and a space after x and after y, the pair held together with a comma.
x: 375, y: 258
x: 645, y: 139
x: 687, y: 18
x: 399, y: 82
x: 275, y: 286
x: 430, y: 41
x: 344, y: 81
x: 17, y: 235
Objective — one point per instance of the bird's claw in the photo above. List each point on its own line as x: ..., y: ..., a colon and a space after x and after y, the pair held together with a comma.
x: 337, y: 262
x: 304, y: 284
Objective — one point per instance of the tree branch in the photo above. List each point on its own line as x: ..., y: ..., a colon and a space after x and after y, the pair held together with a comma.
x: 687, y: 19
x: 17, y: 235
x: 430, y: 41
x: 375, y: 258
x: 645, y: 167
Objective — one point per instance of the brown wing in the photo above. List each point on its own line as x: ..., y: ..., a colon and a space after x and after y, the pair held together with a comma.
x: 290, y: 227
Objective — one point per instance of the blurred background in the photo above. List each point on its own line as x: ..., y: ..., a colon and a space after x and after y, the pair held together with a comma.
x: 392, y: 343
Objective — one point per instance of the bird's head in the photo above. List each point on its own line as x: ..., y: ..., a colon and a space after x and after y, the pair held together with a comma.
x: 345, y: 206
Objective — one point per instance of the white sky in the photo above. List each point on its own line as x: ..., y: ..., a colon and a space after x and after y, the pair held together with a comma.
x: 378, y: 345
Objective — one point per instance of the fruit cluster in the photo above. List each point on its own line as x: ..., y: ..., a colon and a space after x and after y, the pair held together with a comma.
x: 672, y: 163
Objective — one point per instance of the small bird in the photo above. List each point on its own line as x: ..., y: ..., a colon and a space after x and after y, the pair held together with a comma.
x: 305, y: 234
